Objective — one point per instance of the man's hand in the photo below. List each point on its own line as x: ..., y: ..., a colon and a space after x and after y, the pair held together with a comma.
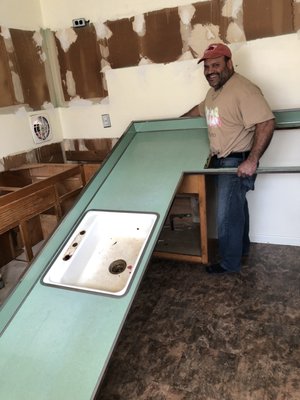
x: 247, y: 168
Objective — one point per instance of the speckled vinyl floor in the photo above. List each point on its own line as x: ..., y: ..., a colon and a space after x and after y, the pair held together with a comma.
x: 193, y: 336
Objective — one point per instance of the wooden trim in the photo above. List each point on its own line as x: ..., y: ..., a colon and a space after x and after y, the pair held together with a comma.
x: 9, y: 188
x: 86, y: 155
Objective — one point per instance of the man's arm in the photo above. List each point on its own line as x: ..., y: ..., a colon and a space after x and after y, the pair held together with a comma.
x: 262, y: 138
x: 193, y: 112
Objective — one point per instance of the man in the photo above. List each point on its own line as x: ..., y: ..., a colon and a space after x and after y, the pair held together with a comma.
x: 240, y: 128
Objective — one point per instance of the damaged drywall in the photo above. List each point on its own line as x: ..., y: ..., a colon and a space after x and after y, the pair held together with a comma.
x: 296, y: 16
x: 11, y: 88
x: 51, y: 153
x: 23, y: 71
x: 162, y: 36
x: 267, y: 18
x: 186, y: 14
x: 80, y: 64
x: 66, y: 38
x: 233, y: 9
x: 91, y: 150
x: 178, y: 33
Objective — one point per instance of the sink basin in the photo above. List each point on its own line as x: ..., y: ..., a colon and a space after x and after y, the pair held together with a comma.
x: 103, y: 252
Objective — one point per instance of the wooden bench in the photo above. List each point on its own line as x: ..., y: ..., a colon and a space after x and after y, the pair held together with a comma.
x: 21, y: 210
x: 50, y: 194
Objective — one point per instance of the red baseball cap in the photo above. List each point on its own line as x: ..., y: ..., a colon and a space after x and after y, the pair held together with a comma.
x: 215, y: 50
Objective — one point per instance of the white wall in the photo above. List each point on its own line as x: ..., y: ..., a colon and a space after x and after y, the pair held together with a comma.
x: 167, y: 90
x: 15, y: 131
x: 160, y: 91
x: 25, y: 14
x: 58, y: 14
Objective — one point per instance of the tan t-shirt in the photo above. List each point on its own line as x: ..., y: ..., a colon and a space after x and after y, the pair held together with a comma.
x: 231, y: 113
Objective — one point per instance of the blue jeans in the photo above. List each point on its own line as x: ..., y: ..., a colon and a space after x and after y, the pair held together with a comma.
x: 232, y: 213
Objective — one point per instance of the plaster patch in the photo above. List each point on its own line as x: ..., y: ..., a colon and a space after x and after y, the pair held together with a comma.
x: 186, y: 13
x: 21, y: 111
x: 210, y: 34
x: 202, y: 36
x: 5, y: 33
x: 145, y: 61
x: 102, y: 31
x: 105, y: 100
x: 71, y: 86
x: 187, y: 55
x: 185, y: 31
x: 104, y: 50
x: 47, y: 106
x: 232, y: 8
x: 78, y: 102
x: 235, y: 33
x: 139, y: 25
x: 17, y: 87
x: 105, y: 65
x: 66, y: 37
x: 104, y: 83
x: 38, y: 38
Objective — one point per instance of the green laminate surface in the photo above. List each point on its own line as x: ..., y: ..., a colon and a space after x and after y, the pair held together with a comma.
x: 287, y: 119
x: 55, y: 342
x: 62, y: 232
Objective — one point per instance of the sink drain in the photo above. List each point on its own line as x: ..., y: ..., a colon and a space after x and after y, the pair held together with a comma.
x: 117, y: 267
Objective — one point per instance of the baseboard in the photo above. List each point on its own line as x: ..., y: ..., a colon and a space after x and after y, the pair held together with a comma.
x: 275, y: 239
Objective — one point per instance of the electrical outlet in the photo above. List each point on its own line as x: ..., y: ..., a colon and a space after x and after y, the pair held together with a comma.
x: 79, y: 22
x: 106, y: 120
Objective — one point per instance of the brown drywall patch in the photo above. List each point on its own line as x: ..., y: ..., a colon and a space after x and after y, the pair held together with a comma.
x: 31, y: 70
x: 266, y: 18
x: 296, y: 16
x: 162, y: 42
x: 210, y: 13
x: 207, y: 12
x: 91, y: 150
x: 51, y: 153
x: 7, y: 97
x: 123, y: 44
x: 81, y: 62
x: 14, y: 161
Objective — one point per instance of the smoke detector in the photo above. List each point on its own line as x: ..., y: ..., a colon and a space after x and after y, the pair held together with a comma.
x: 40, y: 127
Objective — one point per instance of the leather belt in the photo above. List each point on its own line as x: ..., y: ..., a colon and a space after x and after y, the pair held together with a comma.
x: 243, y: 155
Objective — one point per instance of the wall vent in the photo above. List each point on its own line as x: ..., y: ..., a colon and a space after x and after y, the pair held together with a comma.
x: 40, y: 127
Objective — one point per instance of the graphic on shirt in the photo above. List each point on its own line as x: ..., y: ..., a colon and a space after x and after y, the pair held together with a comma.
x: 212, y: 116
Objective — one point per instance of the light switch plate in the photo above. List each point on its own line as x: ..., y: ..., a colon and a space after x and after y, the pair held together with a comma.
x: 106, y: 121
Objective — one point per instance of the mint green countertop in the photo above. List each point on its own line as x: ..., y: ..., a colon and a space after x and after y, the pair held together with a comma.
x: 55, y: 342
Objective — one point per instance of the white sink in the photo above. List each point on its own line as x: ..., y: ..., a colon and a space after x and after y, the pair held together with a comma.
x: 103, y: 252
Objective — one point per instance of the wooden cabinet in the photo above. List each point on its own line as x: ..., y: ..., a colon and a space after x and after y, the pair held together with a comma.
x: 192, y: 184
